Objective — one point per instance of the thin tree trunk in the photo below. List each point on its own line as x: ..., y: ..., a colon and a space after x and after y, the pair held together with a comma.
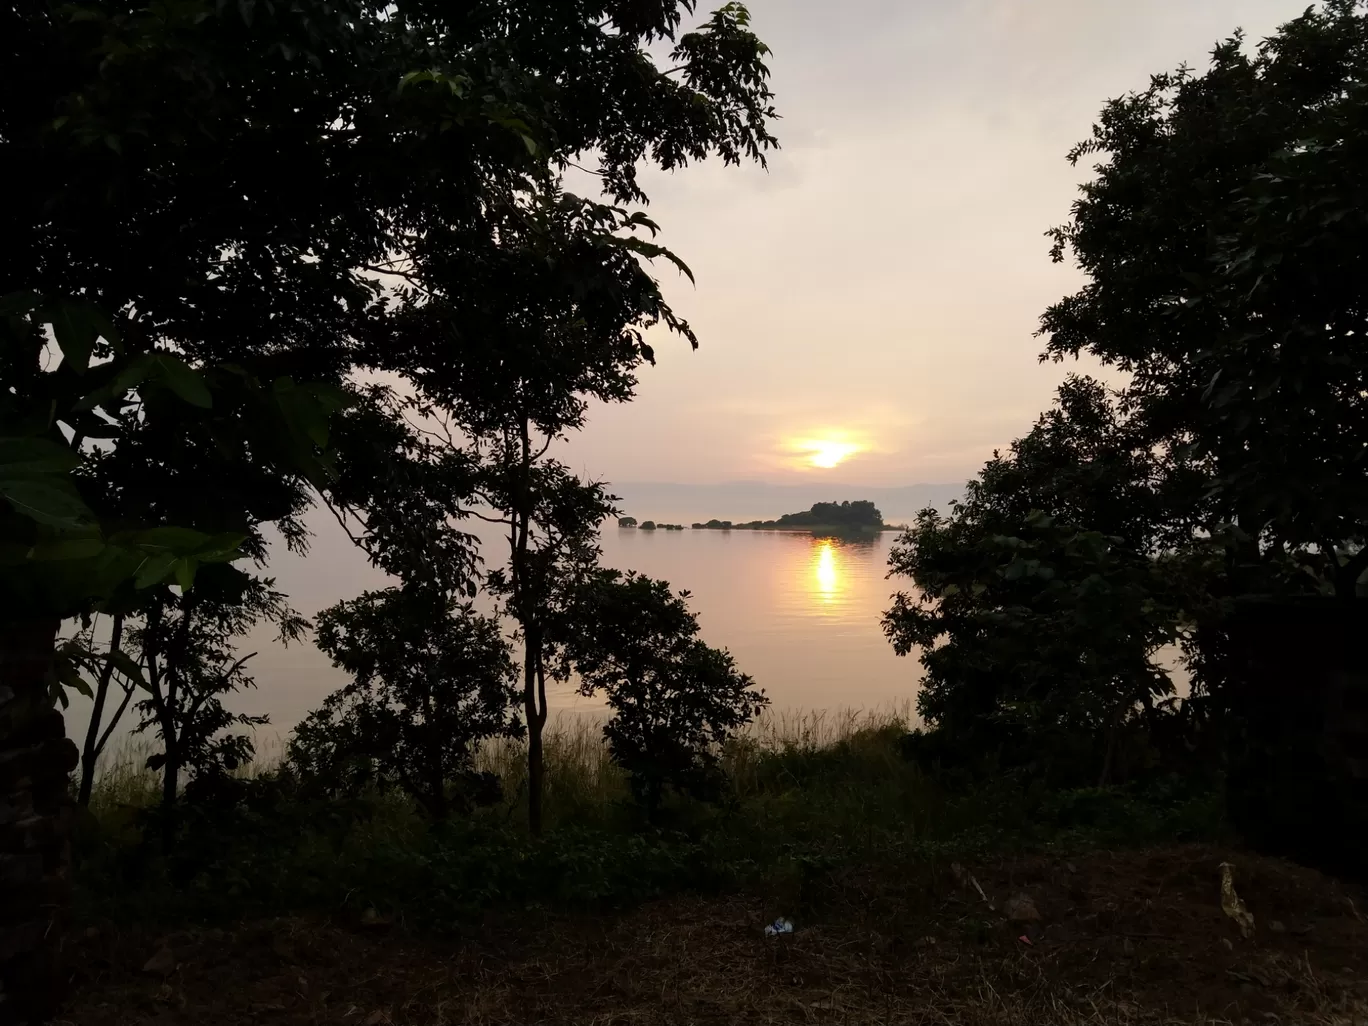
x: 92, y: 739
x: 527, y: 616
x: 433, y: 770
x: 1113, y: 728
x: 163, y: 703
x: 170, y: 777
x: 35, y: 815
x: 536, y: 718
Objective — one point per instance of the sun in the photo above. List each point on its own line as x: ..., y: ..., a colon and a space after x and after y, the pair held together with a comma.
x: 826, y: 452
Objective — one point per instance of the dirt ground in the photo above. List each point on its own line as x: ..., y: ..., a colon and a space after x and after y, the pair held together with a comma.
x: 1133, y: 937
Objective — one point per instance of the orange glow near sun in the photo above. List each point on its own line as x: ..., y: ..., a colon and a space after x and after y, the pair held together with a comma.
x: 825, y: 453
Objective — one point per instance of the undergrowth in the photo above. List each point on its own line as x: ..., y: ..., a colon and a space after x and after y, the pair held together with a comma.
x: 809, y: 795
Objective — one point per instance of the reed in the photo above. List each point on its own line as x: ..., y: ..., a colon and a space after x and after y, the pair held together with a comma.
x: 580, y: 774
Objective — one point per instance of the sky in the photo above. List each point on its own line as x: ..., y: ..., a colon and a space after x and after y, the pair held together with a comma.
x: 880, y: 285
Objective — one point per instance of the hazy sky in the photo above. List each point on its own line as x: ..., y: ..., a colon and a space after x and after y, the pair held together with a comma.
x: 881, y: 283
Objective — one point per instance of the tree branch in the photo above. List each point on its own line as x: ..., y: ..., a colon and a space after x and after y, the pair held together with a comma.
x: 489, y: 520
x: 360, y: 543
x: 114, y: 720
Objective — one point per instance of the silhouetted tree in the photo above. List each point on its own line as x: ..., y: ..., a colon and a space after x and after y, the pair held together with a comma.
x: 1221, y: 237
x: 675, y: 700
x: 185, y: 645
x: 1044, y: 595
x: 431, y: 680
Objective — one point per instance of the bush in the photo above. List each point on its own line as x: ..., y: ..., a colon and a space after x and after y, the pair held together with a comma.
x: 675, y: 700
x: 431, y: 680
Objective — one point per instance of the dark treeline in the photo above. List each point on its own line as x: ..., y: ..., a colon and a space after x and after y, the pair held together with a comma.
x: 233, y: 215
x: 1216, y: 503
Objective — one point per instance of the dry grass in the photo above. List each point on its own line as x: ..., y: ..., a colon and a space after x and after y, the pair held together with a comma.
x: 123, y: 780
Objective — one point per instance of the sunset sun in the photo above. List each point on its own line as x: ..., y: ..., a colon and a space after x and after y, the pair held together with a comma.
x: 825, y: 452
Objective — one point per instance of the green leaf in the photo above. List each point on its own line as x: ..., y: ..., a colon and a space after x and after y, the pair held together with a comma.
x: 26, y: 456
x: 178, y: 540
x: 48, y: 500
x: 76, y: 333
x: 71, y: 678
x: 221, y: 548
x: 186, y: 383
x: 67, y: 548
x: 18, y: 304
x: 329, y: 397
x: 105, y: 327
x: 154, y: 569
x: 306, y: 410
x: 127, y: 665
x: 184, y: 569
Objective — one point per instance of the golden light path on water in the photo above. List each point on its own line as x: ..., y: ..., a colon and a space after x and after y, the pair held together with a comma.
x: 826, y: 574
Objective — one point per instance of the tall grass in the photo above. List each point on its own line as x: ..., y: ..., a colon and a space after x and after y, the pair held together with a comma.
x: 122, y: 779
x: 581, y: 777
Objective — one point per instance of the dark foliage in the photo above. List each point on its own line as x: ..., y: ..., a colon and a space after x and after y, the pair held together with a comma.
x: 431, y: 679
x: 1043, y: 598
x: 186, y: 647
x: 1220, y: 237
x: 675, y: 700
x: 861, y: 513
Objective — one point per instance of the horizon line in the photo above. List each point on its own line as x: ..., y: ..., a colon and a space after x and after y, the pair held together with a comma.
x: 772, y: 484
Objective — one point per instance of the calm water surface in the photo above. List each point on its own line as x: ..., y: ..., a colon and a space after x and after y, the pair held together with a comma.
x: 800, y: 614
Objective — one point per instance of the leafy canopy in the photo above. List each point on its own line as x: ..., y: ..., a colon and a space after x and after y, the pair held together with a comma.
x: 1221, y: 236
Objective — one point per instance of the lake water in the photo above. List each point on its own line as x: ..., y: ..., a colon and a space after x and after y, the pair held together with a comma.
x: 801, y: 615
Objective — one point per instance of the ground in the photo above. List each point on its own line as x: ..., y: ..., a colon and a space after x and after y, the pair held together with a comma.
x: 1123, y: 937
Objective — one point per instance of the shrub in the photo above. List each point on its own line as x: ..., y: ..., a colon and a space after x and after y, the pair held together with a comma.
x: 675, y: 700
x: 431, y: 679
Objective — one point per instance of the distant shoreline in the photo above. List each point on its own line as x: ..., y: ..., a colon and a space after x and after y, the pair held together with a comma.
x: 821, y: 530
x: 859, y: 519
x: 808, y: 529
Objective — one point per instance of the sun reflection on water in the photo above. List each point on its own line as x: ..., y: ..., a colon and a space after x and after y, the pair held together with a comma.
x: 826, y: 572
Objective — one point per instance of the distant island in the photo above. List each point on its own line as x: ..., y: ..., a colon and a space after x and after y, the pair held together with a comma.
x: 648, y: 525
x: 844, y: 519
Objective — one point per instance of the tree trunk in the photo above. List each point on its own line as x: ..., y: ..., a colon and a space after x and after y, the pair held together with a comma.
x: 91, y: 751
x: 35, y: 817
x: 536, y: 718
